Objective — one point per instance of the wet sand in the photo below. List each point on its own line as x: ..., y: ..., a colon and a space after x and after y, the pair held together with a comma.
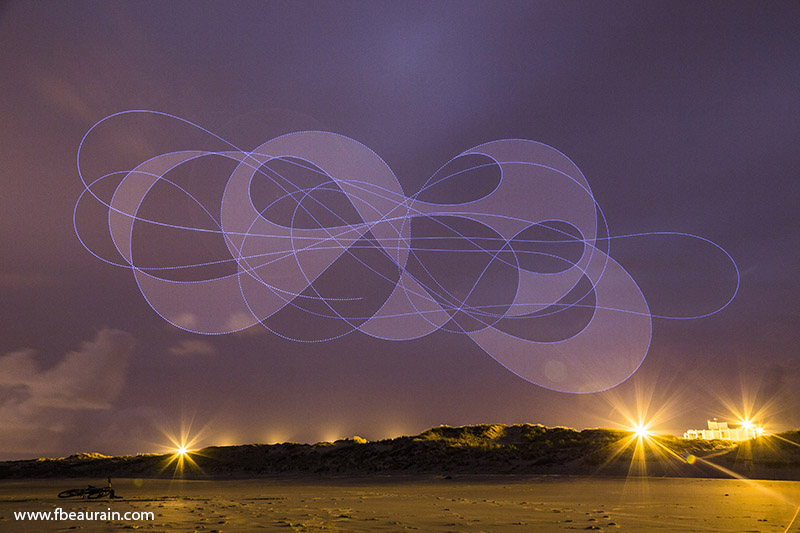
x: 420, y: 503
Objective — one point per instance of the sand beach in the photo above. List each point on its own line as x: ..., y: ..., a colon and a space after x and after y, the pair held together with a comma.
x: 406, y: 503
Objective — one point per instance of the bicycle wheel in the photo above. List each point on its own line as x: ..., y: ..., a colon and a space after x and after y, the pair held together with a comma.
x: 70, y: 493
x: 98, y: 493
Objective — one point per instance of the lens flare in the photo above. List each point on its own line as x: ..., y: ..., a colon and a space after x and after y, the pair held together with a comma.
x: 181, y: 450
x: 653, y: 452
x: 641, y: 431
x: 640, y: 414
x: 181, y: 458
x: 751, y: 406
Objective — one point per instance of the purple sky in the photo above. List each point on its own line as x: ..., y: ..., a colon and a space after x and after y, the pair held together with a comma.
x: 683, y: 116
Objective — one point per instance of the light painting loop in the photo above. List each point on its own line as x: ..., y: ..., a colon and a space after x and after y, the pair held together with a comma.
x: 316, y: 239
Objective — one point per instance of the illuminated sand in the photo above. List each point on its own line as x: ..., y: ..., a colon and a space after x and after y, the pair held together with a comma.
x: 508, y: 503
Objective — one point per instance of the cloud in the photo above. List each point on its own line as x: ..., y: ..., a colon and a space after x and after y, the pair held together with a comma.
x: 184, y: 320
x: 238, y: 321
x: 88, y: 378
x: 244, y: 324
x: 189, y: 347
x: 37, y: 403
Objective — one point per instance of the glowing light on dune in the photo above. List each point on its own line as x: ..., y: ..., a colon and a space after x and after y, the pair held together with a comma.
x: 717, y: 430
x: 181, y: 456
x: 641, y: 415
x: 752, y: 428
x: 181, y: 449
x: 332, y: 435
x: 641, y: 431
x: 644, y: 412
x: 226, y: 440
x: 276, y: 437
x: 751, y: 408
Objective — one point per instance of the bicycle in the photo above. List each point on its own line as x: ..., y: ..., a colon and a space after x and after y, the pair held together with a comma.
x: 91, y: 492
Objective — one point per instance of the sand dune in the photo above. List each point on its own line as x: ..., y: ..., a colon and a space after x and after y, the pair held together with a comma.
x: 474, y: 478
x: 487, y: 449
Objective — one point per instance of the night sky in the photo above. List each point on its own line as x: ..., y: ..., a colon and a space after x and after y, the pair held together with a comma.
x: 683, y: 117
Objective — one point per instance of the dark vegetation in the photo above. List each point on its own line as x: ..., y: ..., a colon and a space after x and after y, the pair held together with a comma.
x: 451, y: 451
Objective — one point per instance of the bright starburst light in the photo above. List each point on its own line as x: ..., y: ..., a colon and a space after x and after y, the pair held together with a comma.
x: 181, y: 450
x: 641, y: 431
x: 181, y: 458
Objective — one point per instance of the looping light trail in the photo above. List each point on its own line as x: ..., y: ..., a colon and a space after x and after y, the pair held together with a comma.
x: 314, y: 238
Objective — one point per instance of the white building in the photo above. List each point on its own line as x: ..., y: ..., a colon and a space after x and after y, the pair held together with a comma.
x: 721, y: 431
